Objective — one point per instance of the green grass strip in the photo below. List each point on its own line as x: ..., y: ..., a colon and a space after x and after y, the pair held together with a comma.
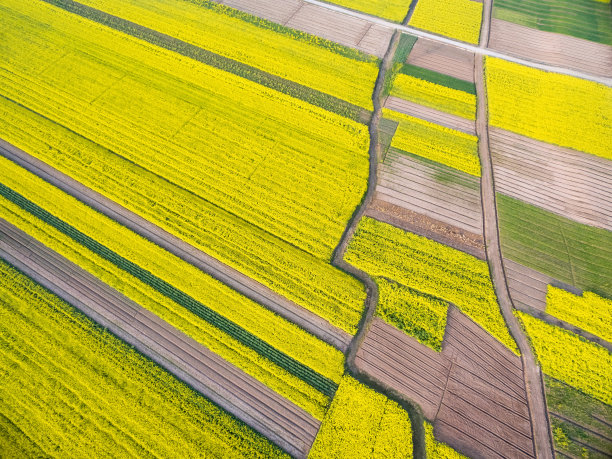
x: 311, y: 377
x: 312, y: 96
x: 438, y: 78
x: 404, y: 47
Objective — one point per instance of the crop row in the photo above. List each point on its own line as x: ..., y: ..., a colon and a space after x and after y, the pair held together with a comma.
x: 590, y: 312
x: 416, y: 88
x: 437, y: 143
x: 570, y: 358
x: 244, y: 49
x: 363, y: 423
x: 264, y: 345
x: 542, y: 98
x: 261, y: 181
x: 571, y: 252
x: 429, y: 267
x: 70, y: 386
x: 459, y: 19
x: 416, y: 314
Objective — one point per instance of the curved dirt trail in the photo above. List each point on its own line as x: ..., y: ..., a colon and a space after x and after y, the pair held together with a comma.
x: 234, y: 279
x: 531, y: 370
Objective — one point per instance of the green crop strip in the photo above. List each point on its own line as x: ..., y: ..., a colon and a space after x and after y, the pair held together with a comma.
x: 438, y: 78
x: 319, y: 382
x: 312, y: 96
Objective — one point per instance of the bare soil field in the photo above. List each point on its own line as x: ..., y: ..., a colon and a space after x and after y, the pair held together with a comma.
x: 430, y: 189
x: 426, y: 226
x: 473, y: 391
x: 551, y: 48
x: 567, y: 182
x: 443, y: 58
x: 431, y: 114
x: 331, y: 25
x: 250, y: 401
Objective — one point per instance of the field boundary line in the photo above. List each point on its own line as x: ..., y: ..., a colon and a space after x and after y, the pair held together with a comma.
x: 26, y: 254
x: 462, y: 45
x: 305, y: 319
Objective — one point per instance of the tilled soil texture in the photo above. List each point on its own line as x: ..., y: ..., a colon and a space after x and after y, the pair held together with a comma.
x: 551, y: 48
x: 443, y: 58
x: 285, y: 424
x: 210, y: 265
x: 428, y: 227
x: 473, y: 391
x: 567, y: 182
x: 431, y: 189
x: 331, y: 25
x: 431, y: 114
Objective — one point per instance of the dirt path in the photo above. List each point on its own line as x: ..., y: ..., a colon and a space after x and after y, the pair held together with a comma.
x: 253, y: 403
x: 533, y: 377
x: 211, y: 266
x: 462, y: 45
x: 485, y: 25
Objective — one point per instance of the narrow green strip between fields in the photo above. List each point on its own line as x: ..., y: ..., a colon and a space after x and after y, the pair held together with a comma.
x: 438, y: 78
x: 319, y: 382
x: 312, y: 96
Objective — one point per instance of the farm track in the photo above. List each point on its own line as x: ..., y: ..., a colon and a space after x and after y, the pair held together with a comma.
x: 225, y: 274
x: 538, y: 411
x: 553, y: 48
x: 473, y: 391
x: 482, y: 51
x: 431, y: 114
x: 440, y: 193
x: 572, y: 184
x: 443, y: 58
x: 317, y: 20
x: 528, y: 289
x: 285, y: 424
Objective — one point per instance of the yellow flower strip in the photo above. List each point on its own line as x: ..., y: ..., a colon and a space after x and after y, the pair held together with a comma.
x: 459, y: 19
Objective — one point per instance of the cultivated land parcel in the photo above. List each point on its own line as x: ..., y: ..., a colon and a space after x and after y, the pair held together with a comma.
x: 252, y: 228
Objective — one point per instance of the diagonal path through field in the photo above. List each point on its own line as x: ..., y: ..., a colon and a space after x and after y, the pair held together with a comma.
x: 256, y: 405
x: 210, y: 265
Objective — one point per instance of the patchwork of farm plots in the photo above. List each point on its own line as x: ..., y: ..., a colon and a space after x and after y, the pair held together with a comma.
x: 59, y: 367
x: 307, y: 165
x: 247, y: 140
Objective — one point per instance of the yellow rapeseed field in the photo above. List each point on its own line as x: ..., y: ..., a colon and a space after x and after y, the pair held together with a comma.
x: 590, y: 312
x: 71, y: 389
x: 438, y: 143
x: 363, y: 423
x: 554, y: 108
x: 459, y: 19
x: 394, y: 10
x: 569, y: 358
x: 434, y: 95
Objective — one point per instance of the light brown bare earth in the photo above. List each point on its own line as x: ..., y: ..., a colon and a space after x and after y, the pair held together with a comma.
x: 551, y: 48
x: 442, y: 58
x: 532, y: 374
x: 567, y: 182
x: 473, y: 391
x: 256, y: 405
x: 428, y: 227
x: 433, y: 190
x: 229, y: 276
x: 332, y: 25
x: 431, y: 114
